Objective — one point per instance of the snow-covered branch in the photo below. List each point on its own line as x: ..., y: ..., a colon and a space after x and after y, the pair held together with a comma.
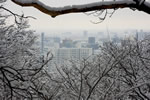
x: 140, y: 5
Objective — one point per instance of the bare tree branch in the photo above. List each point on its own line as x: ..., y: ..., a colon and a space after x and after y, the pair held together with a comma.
x: 140, y: 5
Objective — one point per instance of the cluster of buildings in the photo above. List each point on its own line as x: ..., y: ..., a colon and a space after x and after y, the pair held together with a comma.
x: 75, y: 49
x: 68, y: 49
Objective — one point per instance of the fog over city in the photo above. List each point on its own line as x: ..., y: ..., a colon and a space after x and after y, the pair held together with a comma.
x: 50, y: 51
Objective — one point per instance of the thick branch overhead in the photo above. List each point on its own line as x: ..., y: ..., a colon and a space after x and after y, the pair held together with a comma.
x: 55, y: 11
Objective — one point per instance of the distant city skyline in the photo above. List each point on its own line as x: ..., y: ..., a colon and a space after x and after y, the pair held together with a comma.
x: 122, y: 19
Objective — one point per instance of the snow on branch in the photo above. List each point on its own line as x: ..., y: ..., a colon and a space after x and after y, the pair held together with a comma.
x: 55, y: 11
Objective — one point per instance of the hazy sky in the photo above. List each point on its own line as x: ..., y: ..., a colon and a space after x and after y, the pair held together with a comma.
x: 121, y: 19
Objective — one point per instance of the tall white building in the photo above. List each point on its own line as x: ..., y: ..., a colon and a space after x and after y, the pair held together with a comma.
x: 62, y: 55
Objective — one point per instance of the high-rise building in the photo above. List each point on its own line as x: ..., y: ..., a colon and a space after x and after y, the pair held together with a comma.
x: 140, y: 35
x: 91, y: 40
x: 92, y: 44
x: 62, y: 55
x: 85, y: 33
x: 68, y: 43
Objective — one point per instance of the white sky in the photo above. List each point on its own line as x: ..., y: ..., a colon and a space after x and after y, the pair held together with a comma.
x: 122, y: 18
